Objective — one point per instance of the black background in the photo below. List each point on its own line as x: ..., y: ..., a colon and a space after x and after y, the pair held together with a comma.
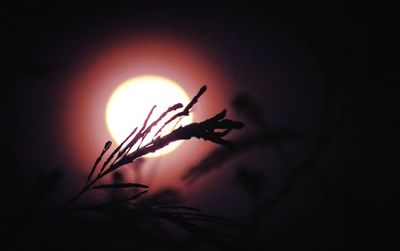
x: 40, y: 39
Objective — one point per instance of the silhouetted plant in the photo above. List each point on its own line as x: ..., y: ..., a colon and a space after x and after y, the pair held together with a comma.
x: 131, y: 149
x: 213, y: 129
x: 266, y: 136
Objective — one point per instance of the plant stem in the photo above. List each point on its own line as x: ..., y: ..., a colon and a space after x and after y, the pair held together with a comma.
x: 84, y: 189
x: 69, y: 203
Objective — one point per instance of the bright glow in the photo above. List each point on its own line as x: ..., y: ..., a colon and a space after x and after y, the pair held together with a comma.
x: 131, y: 102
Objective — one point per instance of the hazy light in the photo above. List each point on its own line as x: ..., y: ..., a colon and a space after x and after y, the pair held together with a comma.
x: 130, y: 103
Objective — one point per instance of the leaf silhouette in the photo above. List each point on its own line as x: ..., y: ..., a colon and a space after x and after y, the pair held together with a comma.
x: 166, y: 207
x: 214, y: 237
x: 117, y: 150
x: 92, y: 170
x: 120, y: 185
x: 213, y: 129
x: 185, y: 111
x: 136, y: 196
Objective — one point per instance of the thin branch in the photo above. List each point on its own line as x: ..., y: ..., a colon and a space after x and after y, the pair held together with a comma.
x: 206, y: 130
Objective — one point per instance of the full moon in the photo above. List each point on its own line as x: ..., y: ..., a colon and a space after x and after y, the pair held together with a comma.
x: 131, y: 102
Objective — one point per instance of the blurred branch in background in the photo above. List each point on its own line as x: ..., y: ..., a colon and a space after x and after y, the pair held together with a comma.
x: 334, y: 115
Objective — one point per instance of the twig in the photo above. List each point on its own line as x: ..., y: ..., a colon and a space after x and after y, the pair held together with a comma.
x: 206, y: 130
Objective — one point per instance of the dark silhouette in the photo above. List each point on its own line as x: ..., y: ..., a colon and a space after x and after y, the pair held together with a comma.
x: 157, y: 206
x: 314, y: 169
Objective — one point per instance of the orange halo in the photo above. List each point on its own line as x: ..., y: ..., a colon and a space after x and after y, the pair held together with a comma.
x: 93, y: 79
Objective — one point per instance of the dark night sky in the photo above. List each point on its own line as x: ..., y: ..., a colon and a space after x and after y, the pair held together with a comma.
x: 301, y: 65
